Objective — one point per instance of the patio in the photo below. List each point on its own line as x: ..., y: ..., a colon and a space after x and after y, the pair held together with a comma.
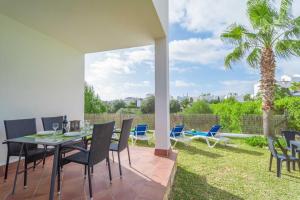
x: 149, y: 177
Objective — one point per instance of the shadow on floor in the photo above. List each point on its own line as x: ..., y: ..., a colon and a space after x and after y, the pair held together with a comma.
x: 188, y: 185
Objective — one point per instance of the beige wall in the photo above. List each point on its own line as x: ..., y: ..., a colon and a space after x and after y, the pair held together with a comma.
x: 162, y: 9
x: 39, y: 76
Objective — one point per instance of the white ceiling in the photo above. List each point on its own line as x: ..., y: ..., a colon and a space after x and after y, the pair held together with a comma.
x: 89, y: 25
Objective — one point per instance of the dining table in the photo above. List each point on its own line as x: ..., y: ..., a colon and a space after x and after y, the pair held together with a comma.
x: 56, y: 141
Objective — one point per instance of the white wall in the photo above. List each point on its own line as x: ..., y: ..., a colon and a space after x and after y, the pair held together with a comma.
x: 39, y: 76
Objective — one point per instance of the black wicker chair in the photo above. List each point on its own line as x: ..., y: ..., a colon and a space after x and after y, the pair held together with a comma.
x: 122, y: 142
x: 280, y: 157
x: 48, y: 121
x: 47, y: 125
x: 288, y: 136
x: 99, y: 151
x: 31, y: 153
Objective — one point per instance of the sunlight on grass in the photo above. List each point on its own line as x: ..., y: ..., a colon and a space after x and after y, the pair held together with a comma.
x: 238, y: 171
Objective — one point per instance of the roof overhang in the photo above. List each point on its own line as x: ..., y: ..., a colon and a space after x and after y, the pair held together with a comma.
x: 90, y: 25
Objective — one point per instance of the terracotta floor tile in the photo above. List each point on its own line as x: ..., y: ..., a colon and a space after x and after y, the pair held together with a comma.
x: 147, y: 178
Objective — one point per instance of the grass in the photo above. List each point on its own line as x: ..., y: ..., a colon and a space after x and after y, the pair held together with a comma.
x: 238, y: 171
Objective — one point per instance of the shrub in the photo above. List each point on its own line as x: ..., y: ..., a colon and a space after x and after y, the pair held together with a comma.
x: 231, y: 112
x: 256, y: 141
x: 290, y: 106
x: 261, y: 141
x: 198, y: 107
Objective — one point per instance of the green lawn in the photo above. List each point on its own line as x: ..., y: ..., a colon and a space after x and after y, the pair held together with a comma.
x: 238, y: 171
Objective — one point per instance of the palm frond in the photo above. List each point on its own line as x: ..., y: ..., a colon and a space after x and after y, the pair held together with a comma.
x: 286, y: 48
x: 261, y: 14
x: 285, y: 10
x: 234, y: 34
x: 236, y: 55
x: 294, y: 31
x: 254, y: 57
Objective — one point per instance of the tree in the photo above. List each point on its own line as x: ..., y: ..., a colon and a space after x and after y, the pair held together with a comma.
x: 281, y: 92
x: 275, y: 34
x: 295, y: 86
x: 247, y: 97
x: 116, y: 105
x: 198, y: 107
x: 174, y: 106
x: 186, y: 102
x: 148, y: 105
x: 92, y: 102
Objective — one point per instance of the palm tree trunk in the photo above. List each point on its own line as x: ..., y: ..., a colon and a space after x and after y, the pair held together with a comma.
x: 267, y: 87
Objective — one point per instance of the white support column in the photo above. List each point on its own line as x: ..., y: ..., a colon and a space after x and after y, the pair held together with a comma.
x: 162, y: 112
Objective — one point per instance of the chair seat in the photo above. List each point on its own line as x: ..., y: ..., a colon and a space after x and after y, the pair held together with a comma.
x: 80, y: 157
x: 76, y: 143
x: 113, y: 147
x: 38, y: 154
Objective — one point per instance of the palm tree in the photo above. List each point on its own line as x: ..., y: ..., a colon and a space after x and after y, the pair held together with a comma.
x: 274, y: 34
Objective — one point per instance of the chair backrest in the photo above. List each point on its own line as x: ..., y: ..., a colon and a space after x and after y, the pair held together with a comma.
x: 48, y: 121
x: 288, y: 136
x: 214, y: 130
x: 125, y: 132
x: 271, y: 145
x: 176, y: 131
x: 101, y: 139
x: 141, y: 129
x: 19, y: 128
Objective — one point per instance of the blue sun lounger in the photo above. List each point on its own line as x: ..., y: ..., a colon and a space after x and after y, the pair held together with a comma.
x: 139, y: 133
x: 177, y: 135
x: 210, y: 135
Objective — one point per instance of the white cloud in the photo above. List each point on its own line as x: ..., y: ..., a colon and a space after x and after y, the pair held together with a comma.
x: 183, y: 84
x: 113, y: 73
x: 130, y: 85
x: 236, y: 86
x: 182, y: 69
x: 212, y: 16
x: 197, y: 50
x: 289, y: 67
x: 207, y: 16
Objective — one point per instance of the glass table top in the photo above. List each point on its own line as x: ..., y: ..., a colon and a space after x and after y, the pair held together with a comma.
x: 53, y: 139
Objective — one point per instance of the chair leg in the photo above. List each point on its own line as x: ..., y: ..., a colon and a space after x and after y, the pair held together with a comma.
x: 279, y: 162
x: 120, y: 168
x: 90, y: 182
x: 128, y: 155
x: 112, y: 155
x: 25, y: 173
x: 109, y: 170
x: 44, y: 161
x: 85, y: 168
x: 270, y: 164
x: 294, y: 165
x: 34, y: 164
x: 58, y: 177
x: 298, y: 164
x: 288, y: 166
x: 6, y: 167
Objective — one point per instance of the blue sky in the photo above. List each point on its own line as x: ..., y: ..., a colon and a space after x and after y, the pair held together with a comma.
x: 196, y: 56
